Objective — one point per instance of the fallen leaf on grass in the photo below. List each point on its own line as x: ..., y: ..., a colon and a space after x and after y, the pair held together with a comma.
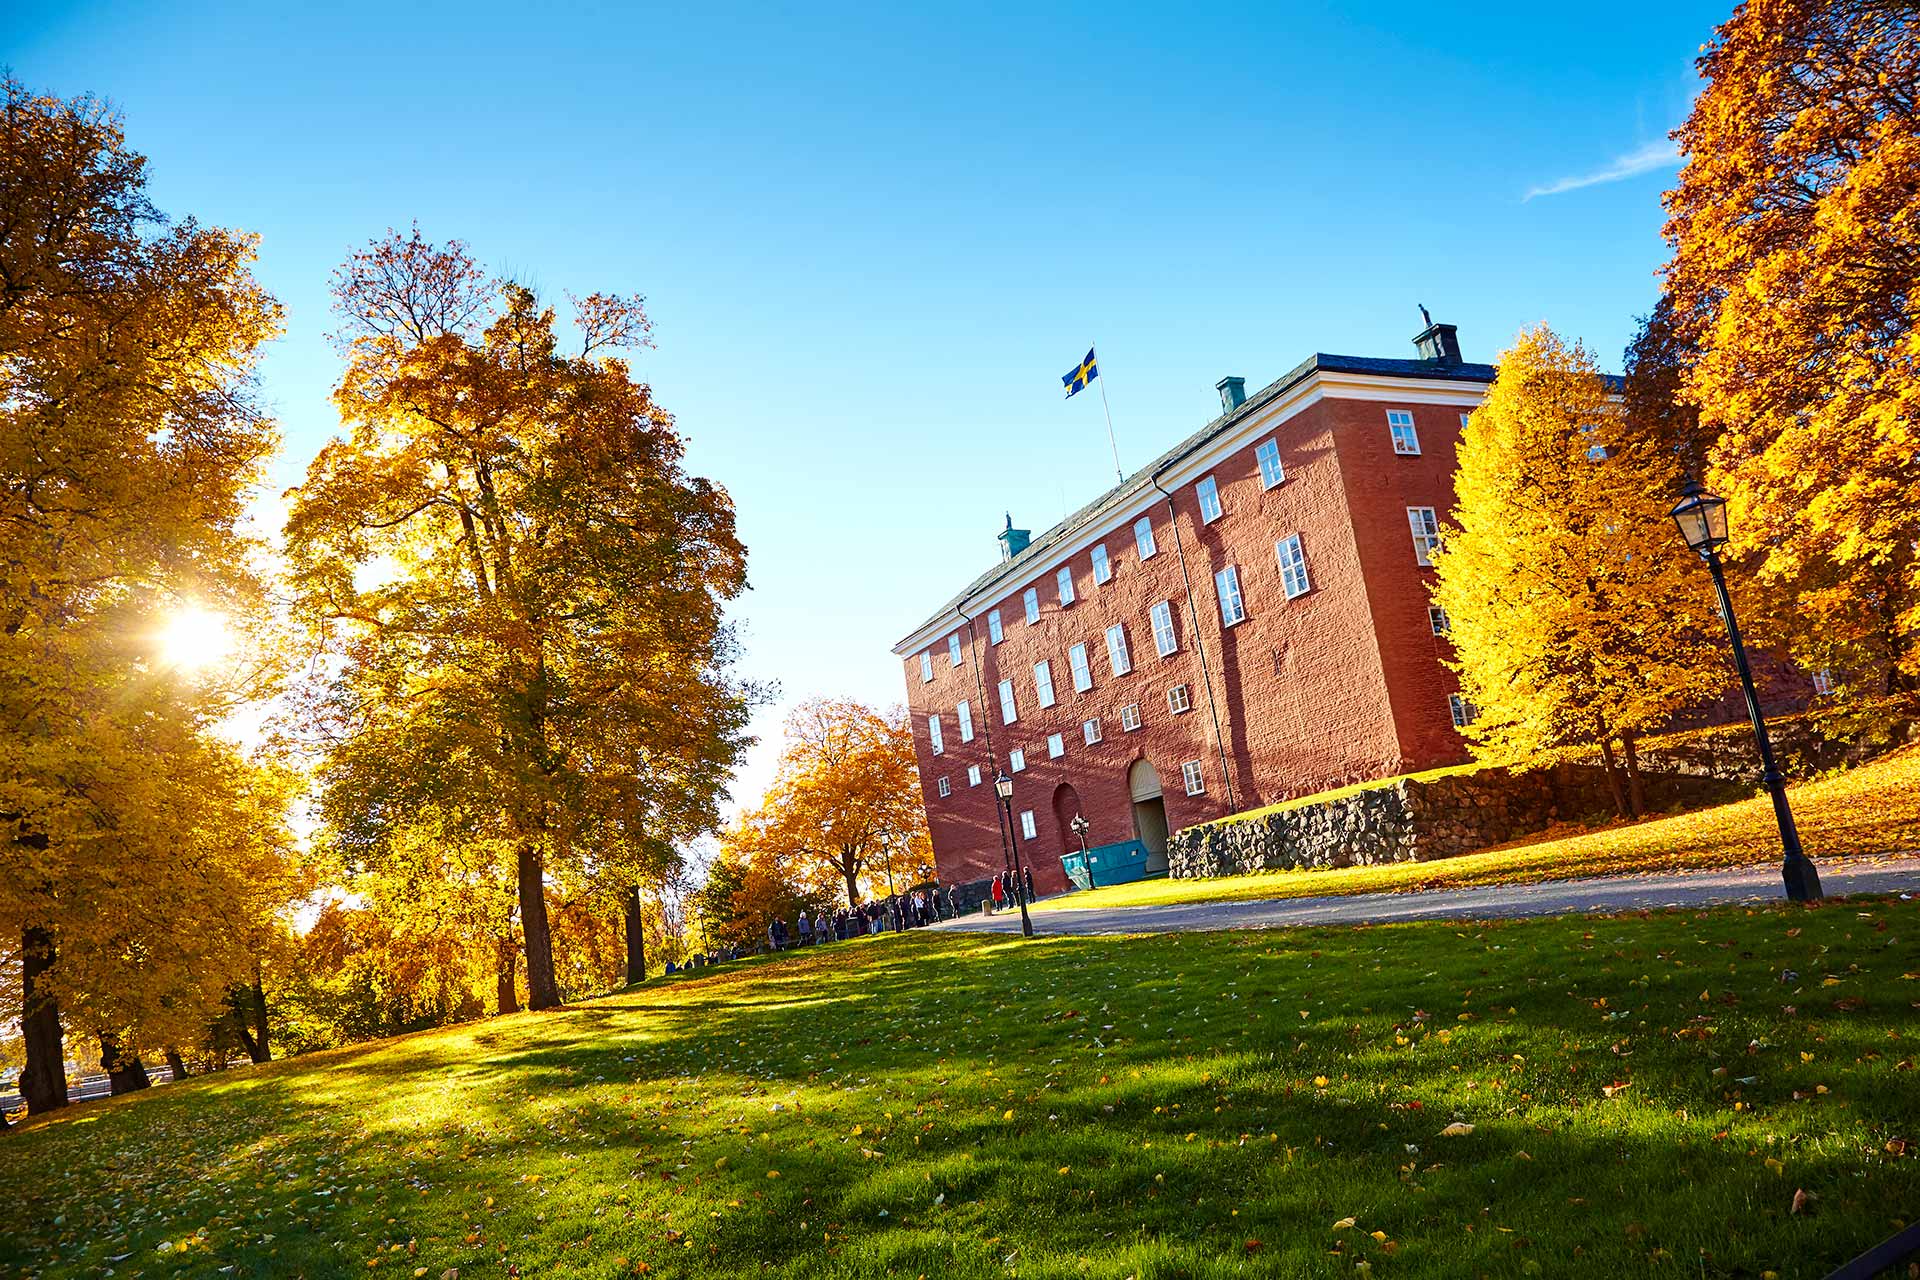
x: 1458, y: 1129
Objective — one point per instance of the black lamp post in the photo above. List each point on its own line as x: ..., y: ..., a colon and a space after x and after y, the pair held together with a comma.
x: 1003, y: 786
x: 1080, y: 827
x: 1702, y: 518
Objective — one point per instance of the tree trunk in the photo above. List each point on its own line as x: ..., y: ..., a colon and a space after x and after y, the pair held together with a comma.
x: 1613, y: 777
x: 250, y: 1019
x: 542, y: 992
x: 125, y: 1071
x: 636, y: 938
x: 1636, y: 793
x: 177, y: 1064
x: 43, y: 1085
x: 850, y: 872
x: 506, y: 956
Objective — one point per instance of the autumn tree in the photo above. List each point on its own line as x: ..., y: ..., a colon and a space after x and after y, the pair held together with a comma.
x: 844, y: 808
x: 1795, y: 227
x: 130, y: 441
x: 1575, y: 623
x: 520, y: 587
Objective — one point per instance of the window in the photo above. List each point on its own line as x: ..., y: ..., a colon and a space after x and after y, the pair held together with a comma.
x: 1082, y: 676
x: 946, y: 787
x: 1464, y: 419
x: 1293, y: 567
x: 964, y: 714
x: 1177, y: 699
x: 1426, y: 535
x: 1043, y: 681
x: 1090, y: 730
x: 1190, y: 774
x: 1823, y: 682
x: 1130, y: 717
x: 1208, y: 494
x: 1272, y: 474
x: 1016, y: 760
x: 1056, y: 746
x: 1007, y: 712
x: 1164, y: 641
x: 1032, y: 600
x: 1026, y: 823
x: 1400, y: 426
x: 1596, y: 452
x: 1227, y: 584
x: 1463, y: 712
x: 973, y: 775
x: 1437, y: 619
x: 953, y: 649
x: 1064, y: 579
x: 933, y: 734
x: 994, y: 634
x: 1117, y: 656
x: 926, y: 666
x: 1143, y: 537
x: 1102, y: 567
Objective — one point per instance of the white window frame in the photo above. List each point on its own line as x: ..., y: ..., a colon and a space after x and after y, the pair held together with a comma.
x: 1090, y: 731
x: 1056, y: 746
x: 1273, y: 472
x: 1226, y: 585
x: 1438, y: 620
x: 953, y: 649
x: 1193, y: 779
x: 1102, y: 566
x: 933, y: 735
x: 1464, y: 418
x: 1119, y: 657
x: 1082, y: 673
x: 945, y: 787
x: 1166, y: 641
x: 1822, y: 682
x: 1130, y: 717
x: 1179, y: 700
x: 1043, y: 682
x: 1063, y: 581
x: 1009, y: 710
x: 926, y: 666
x: 1424, y: 524
x: 1206, y: 494
x: 1030, y: 599
x: 995, y: 633
x: 1143, y: 538
x: 1294, y: 579
x: 973, y: 775
x: 1016, y: 761
x: 1027, y: 830
x: 964, y: 714
x: 1405, y: 436
x: 1460, y: 711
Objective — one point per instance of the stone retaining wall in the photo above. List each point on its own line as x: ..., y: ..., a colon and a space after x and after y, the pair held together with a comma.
x: 1413, y: 821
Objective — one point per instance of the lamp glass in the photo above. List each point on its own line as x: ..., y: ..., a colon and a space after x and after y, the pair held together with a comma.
x: 1702, y: 518
x: 1004, y: 785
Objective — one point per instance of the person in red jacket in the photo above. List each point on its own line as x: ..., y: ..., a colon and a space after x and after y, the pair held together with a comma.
x: 999, y: 893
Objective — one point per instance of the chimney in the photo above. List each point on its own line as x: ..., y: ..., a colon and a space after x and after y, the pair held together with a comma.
x: 1013, y: 541
x: 1438, y: 343
x: 1233, y: 393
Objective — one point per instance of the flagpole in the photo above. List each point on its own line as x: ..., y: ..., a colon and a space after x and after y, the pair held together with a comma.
x: 1118, y: 473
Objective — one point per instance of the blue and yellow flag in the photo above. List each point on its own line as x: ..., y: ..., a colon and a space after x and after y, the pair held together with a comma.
x: 1083, y: 373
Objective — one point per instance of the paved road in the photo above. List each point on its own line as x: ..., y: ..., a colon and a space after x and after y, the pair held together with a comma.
x: 1553, y: 897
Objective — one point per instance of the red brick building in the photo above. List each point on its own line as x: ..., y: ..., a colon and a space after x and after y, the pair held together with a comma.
x: 1242, y: 621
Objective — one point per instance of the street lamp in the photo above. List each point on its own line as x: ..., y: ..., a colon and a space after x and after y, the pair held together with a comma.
x: 1080, y: 826
x: 1003, y: 786
x: 1702, y: 518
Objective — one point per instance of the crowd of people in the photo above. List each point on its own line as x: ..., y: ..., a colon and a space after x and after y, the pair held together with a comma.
x: 1006, y: 888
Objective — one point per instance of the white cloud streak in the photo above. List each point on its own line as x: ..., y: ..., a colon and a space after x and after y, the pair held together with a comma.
x: 1654, y: 155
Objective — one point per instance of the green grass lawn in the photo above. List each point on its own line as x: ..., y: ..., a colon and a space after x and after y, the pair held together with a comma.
x: 1646, y: 1096
x: 1865, y: 812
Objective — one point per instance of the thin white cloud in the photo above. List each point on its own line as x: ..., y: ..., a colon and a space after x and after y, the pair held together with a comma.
x: 1654, y: 155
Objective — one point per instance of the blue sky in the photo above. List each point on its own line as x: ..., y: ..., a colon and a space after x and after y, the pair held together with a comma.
x: 872, y: 239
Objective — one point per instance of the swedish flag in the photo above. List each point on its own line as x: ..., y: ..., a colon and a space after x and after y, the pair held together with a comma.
x: 1086, y: 371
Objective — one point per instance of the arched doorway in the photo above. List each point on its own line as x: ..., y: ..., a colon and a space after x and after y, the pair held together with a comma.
x: 1066, y: 807
x: 1149, y: 813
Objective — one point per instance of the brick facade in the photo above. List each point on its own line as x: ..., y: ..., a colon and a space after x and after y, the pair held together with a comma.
x: 1343, y: 683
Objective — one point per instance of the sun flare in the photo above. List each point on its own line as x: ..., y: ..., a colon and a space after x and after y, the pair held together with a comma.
x: 193, y: 638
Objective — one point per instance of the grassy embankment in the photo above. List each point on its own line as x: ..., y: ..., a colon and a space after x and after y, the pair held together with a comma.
x: 1865, y: 812
x: 1646, y: 1094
